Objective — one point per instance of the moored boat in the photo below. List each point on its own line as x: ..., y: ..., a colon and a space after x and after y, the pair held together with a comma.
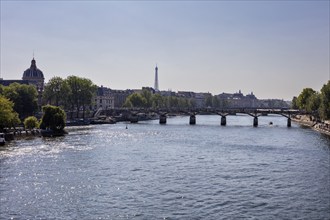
x: 78, y: 122
x: 52, y: 133
x: 103, y: 120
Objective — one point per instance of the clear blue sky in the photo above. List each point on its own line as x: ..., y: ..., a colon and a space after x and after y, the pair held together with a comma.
x: 273, y: 48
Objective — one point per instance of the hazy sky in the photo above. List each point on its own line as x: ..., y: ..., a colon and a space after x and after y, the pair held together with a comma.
x: 273, y: 48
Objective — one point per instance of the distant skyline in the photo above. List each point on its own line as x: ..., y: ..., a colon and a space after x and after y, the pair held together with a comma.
x: 271, y: 48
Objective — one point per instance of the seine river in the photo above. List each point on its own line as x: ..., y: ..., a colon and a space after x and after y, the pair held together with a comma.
x: 172, y: 171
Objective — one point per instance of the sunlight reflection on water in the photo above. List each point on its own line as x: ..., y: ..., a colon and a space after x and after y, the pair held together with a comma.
x: 173, y: 171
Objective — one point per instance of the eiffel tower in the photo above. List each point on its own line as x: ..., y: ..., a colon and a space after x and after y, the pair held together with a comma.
x: 156, y: 86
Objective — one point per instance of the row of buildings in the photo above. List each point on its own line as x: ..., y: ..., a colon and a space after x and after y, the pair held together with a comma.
x: 107, y: 98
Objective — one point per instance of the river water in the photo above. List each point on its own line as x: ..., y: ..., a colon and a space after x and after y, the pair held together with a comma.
x: 172, y: 171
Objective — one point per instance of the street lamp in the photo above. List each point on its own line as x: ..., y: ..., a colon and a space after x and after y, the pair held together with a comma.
x: 56, y: 90
x: 39, y: 90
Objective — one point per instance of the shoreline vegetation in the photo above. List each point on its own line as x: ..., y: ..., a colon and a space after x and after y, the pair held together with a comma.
x: 308, y: 121
x: 317, y: 104
x: 21, y: 105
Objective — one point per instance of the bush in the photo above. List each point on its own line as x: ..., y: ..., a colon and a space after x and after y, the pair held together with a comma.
x: 53, y: 118
x: 8, y: 117
x: 325, y: 102
x: 31, y: 122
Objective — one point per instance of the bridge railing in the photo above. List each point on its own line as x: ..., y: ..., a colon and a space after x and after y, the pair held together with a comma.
x: 210, y: 110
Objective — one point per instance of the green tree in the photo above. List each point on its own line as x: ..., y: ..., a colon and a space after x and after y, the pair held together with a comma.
x: 208, y: 101
x: 182, y: 103
x: 87, y: 92
x: 212, y: 101
x: 128, y: 103
x: 8, y: 117
x: 172, y: 102
x: 31, y: 122
x: 24, y: 97
x: 148, y: 97
x: 224, y: 103
x: 81, y: 95
x: 294, y: 104
x: 135, y: 100
x: 325, y: 102
x: 56, y: 92
x: 215, y: 102
x: 73, y: 97
x: 303, y: 98
x: 313, y: 102
x: 192, y: 103
x: 53, y: 118
x: 158, y: 101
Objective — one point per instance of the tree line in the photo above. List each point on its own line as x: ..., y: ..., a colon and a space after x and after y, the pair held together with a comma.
x: 19, y: 101
x: 75, y: 94
x: 147, y: 99
x: 314, y: 102
x: 72, y: 94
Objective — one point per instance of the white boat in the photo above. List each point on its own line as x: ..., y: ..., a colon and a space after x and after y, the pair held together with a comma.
x: 2, y: 139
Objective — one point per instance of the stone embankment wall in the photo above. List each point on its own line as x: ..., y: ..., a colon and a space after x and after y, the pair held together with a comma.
x: 323, y: 128
x: 310, y: 121
x: 20, y: 132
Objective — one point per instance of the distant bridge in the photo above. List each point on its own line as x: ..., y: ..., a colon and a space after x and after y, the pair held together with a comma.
x: 134, y: 114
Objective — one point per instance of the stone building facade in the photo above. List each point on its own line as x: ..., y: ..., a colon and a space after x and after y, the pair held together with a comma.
x: 31, y: 76
x: 104, y: 99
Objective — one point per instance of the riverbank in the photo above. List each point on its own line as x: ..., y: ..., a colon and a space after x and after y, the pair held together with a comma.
x: 10, y: 134
x: 310, y: 121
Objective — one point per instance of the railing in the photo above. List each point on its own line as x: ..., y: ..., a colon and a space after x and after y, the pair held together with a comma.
x: 219, y: 111
x: 132, y: 114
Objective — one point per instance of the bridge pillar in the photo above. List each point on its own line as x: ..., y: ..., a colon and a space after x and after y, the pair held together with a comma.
x: 255, y: 121
x: 134, y: 119
x: 223, y: 121
x: 192, y: 119
x: 289, y: 122
x: 162, y: 119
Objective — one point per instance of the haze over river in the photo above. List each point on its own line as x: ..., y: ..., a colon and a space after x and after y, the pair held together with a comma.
x: 172, y: 171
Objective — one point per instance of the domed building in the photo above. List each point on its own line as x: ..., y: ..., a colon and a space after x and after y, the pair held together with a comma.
x: 34, y: 76
x: 31, y: 76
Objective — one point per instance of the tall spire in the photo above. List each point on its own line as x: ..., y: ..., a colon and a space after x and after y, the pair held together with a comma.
x: 156, y: 86
x: 33, y: 64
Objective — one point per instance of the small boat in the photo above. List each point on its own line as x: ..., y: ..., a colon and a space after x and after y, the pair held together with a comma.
x: 2, y: 139
x: 51, y: 133
x: 78, y: 122
x: 103, y: 120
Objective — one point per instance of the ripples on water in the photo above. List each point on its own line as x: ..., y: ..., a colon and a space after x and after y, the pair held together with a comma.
x: 173, y: 171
